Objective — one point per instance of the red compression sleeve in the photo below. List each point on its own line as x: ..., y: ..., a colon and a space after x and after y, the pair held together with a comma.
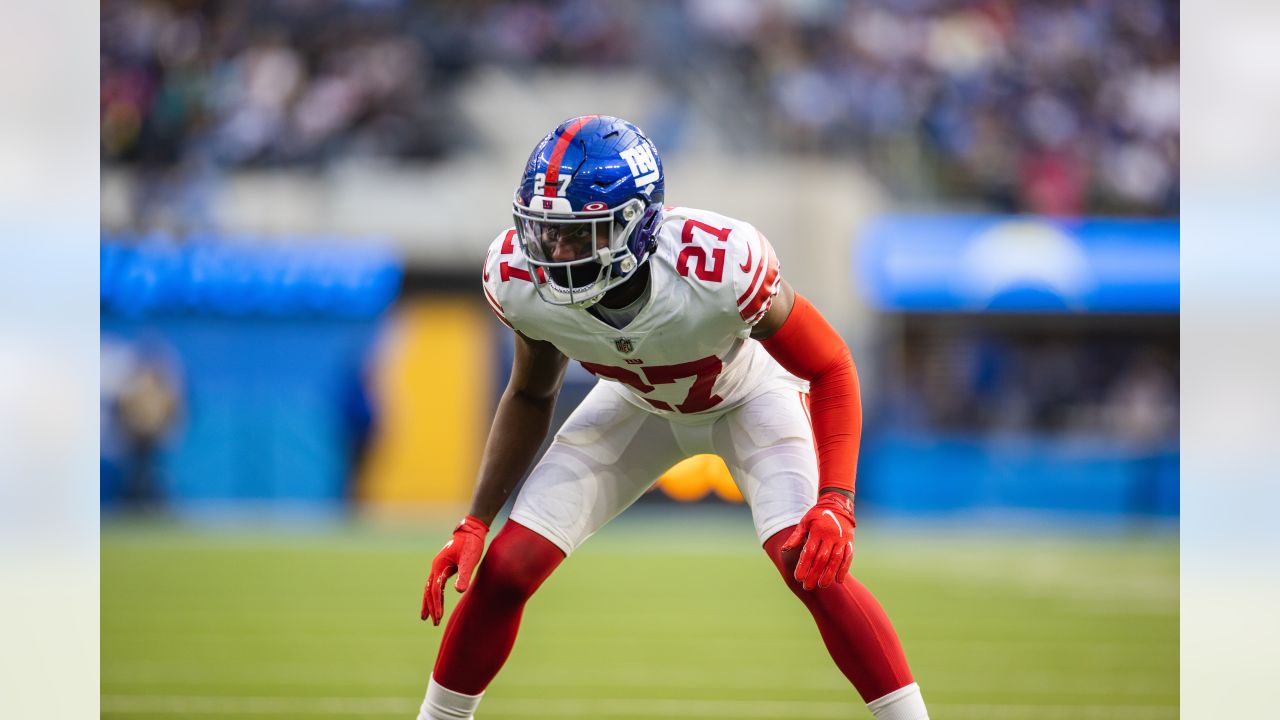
x: 809, y: 348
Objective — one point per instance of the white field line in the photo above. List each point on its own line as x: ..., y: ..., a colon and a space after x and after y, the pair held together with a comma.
x: 642, y: 677
x: 188, y: 705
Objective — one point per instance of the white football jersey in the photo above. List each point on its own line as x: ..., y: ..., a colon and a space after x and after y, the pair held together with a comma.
x: 688, y: 353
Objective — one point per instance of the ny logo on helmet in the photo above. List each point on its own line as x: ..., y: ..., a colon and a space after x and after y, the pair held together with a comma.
x: 624, y: 345
x: 641, y: 160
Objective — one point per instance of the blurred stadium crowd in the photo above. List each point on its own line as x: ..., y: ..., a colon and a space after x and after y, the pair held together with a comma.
x: 1052, y: 107
x: 1124, y: 386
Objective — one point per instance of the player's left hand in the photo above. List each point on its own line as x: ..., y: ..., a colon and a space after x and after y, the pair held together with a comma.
x: 829, y: 548
x: 461, y: 555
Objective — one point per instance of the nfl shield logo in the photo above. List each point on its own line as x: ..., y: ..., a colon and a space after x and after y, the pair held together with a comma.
x: 624, y: 345
x: 546, y: 204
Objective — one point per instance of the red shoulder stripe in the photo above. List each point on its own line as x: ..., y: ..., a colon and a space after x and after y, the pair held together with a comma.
x: 496, y: 307
x: 764, y: 254
x: 768, y: 287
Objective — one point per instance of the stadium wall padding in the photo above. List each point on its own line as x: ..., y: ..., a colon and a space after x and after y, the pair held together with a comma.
x: 941, y: 473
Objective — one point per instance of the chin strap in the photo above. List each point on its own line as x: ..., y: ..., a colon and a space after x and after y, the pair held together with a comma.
x: 809, y: 348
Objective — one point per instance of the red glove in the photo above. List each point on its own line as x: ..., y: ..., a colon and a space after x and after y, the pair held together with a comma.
x: 460, y: 555
x: 829, y: 550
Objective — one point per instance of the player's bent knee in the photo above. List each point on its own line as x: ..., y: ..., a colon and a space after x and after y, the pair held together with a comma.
x: 785, y: 561
x: 518, y: 562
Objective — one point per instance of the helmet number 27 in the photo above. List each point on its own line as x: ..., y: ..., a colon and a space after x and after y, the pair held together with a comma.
x: 540, y: 183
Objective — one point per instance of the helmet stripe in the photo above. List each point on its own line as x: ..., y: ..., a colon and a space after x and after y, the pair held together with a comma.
x: 557, y: 154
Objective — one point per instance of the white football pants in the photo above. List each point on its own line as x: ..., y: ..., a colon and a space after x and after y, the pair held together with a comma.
x: 610, y: 451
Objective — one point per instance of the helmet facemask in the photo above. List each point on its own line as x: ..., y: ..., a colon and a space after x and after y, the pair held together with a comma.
x: 577, y: 256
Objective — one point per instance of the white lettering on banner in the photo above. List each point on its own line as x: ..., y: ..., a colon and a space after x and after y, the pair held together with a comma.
x: 644, y: 166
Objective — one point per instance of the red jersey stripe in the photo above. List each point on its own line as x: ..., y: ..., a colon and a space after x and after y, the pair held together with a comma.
x: 494, y: 304
x: 764, y: 254
x: 768, y: 263
x: 497, y: 306
x: 557, y: 154
x: 767, y: 289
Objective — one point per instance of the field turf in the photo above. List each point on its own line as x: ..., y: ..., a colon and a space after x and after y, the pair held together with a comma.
x: 668, y: 614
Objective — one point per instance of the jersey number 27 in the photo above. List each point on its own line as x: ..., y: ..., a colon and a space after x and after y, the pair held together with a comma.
x: 693, y: 258
x: 704, y: 372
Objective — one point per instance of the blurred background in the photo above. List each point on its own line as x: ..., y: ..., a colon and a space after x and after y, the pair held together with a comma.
x: 982, y: 196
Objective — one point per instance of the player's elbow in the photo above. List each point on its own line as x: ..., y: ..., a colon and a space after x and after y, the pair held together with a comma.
x: 841, y: 363
x: 533, y: 398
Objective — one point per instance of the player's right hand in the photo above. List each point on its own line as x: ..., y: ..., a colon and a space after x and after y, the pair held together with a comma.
x: 827, y: 534
x: 460, y: 555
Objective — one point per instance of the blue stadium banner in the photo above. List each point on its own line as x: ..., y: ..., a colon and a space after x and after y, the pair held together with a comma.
x: 994, y: 263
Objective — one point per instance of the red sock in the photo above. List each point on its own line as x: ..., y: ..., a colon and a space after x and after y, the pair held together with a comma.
x: 854, y: 627
x: 482, y: 630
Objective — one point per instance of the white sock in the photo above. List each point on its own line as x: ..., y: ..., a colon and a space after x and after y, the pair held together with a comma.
x: 905, y: 703
x: 441, y: 703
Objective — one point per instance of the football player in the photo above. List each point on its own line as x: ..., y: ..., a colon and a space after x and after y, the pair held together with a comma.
x: 700, y: 347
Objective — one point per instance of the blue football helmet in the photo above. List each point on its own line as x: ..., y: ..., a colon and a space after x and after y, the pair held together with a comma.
x: 588, y: 208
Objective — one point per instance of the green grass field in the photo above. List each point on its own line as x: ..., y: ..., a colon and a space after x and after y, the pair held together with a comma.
x: 664, y: 615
